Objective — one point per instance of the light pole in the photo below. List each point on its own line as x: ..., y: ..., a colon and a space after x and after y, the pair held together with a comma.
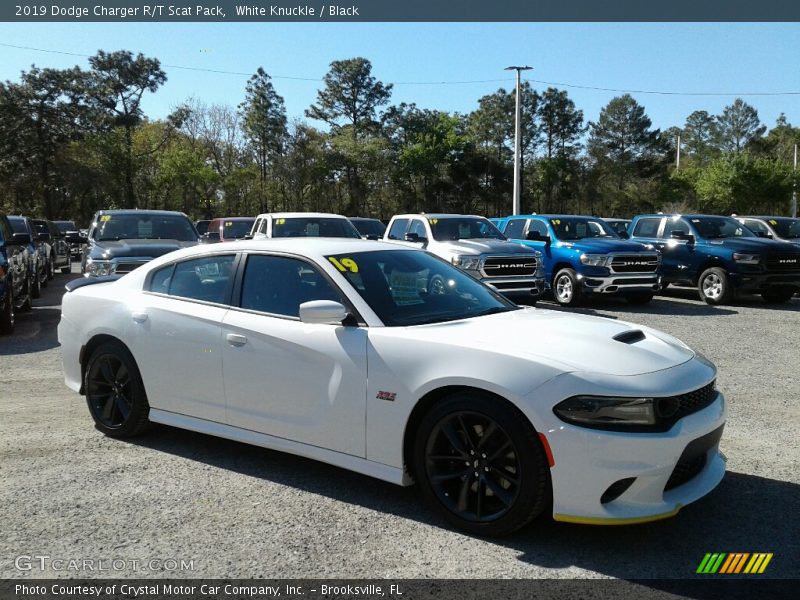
x: 794, y: 187
x: 515, y: 207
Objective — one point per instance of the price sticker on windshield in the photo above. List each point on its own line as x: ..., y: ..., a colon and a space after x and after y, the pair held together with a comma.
x: 344, y: 264
x: 280, y: 221
x: 105, y: 218
x: 773, y: 222
x: 228, y: 223
x: 433, y: 221
x: 556, y: 221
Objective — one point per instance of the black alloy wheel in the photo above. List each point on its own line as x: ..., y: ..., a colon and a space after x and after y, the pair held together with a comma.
x: 7, y: 314
x: 480, y: 463
x: 115, y: 393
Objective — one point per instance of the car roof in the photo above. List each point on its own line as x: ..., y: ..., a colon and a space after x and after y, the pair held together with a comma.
x: 763, y: 218
x: 436, y: 216
x: 295, y: 215
x: 136, y: 211
x: 364, y: 219
x: 234, y: 219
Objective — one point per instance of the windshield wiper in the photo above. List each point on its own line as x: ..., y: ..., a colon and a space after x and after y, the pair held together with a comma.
x: 493, y: 311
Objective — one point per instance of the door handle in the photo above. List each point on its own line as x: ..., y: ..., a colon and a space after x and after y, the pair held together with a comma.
x: 236, y: 340
x: 139, y: 317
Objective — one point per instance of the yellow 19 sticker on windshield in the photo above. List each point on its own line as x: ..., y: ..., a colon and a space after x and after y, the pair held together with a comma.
x: 105, y: 218
x: 280, y: 221
x: 344, y: 264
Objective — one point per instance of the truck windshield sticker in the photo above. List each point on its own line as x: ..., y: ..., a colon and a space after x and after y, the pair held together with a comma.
x: 405, y: 288
x: 105, y: 218
x: 433, y: 221
x: 773, y: 222
x: 280, y: 221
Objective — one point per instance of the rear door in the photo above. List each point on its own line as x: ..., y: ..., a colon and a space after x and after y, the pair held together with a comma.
x: 176, y: 335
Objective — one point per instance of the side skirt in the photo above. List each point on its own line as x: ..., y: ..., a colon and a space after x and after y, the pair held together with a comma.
x: 246, y: 436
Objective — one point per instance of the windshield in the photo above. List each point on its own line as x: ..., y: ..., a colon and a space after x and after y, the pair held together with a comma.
x: 237, y: 229
x: 18, y: 225
x: 578, y: 228
x: 717, y: 228
x: 464, y: 228
x: 65, y: 226
x: 144, y: 226
x: 409, y: 287
x: 786, y: 228
x: 314, y: 227
x: 369, y: 226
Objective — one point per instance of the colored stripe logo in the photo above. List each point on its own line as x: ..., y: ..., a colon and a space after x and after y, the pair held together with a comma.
x: 734, y: 562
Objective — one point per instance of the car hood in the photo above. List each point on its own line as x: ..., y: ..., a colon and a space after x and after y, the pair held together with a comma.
x: 604, y: 246
x: 566, y: 340
x: 755, y: 245
x: 108, y: 249
x: 488, y: 246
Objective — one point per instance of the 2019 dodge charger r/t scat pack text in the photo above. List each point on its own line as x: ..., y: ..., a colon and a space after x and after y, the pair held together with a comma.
x: 392, y: 362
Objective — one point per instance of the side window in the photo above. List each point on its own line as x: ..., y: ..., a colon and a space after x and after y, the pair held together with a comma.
x: 674, y: 225
x: 279, y: 285
x: 203, y: 279
x: 398, y: 229
x: 159, y: 282
x: 756, y: 226
x: 5, y: 230
x: 647, y: 227
x: 515, y: 229
x: 418, y: 227
x: 536, y: 225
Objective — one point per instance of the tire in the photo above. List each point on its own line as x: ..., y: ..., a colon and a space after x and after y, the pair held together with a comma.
x: 714, y: 286
x: 36, y: 286
x: 28, y: 304
x: 7, y: 314
x: 468, y: 490
x: 639, y: 298
x: 115, y: 393
x: 51, y: 272
x: 778, y: 295
x: 566, y: 288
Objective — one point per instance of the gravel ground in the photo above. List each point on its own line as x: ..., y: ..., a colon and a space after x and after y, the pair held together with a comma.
x: 239, y: 511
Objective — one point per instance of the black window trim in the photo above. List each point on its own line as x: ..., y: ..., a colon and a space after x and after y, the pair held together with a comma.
x: 238, y: 280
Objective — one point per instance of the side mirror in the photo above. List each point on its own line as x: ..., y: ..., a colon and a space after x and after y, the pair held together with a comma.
x: 22, y: 239
x: 247, y: 236
x: 535, y: 236
x: 764, y: 234
x: 373, y: 236
x: 415, y: 238
x: 322, y: 312
x: 682, y: 235
x: 74, y: 237
x: 624, y: 235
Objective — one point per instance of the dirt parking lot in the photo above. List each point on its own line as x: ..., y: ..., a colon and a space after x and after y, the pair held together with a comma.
x: 233, y: 510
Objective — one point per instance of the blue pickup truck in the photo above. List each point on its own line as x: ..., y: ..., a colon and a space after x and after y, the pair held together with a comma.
x: 584, y: 256
x: 720, y: 256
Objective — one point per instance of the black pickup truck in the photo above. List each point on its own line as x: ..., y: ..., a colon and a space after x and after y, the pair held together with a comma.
x: 121, y: 240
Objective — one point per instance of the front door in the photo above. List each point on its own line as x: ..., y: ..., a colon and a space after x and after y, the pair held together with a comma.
x: 293, y: 380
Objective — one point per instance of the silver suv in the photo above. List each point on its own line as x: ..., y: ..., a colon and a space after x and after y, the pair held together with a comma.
x: 476, y: 246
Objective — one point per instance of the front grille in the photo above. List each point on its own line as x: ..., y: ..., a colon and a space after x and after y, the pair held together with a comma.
x: 695, y: 401
x: 685, y: 470
x: 783, y: 262
x: 693, y: 459
x: 127, y: 267
x: 634, y: 263
x: 508, y: 266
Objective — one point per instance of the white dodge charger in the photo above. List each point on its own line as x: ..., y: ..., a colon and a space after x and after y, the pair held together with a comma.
x: 393, y: 363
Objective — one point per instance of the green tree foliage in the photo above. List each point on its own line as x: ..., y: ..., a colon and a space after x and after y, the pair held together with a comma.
x: 264, y: 125
x: 737, y: 126
x: 73, y: 141
x: 118, y: 82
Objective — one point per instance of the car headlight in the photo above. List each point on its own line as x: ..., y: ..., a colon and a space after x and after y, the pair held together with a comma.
x: 605, y: 412
x: 98, y: 268
x: 746, y: 259
x: 594, y: 260
x: 466, y: 261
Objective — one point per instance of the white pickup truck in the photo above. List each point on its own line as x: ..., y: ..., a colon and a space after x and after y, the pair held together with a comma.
x: 476, y: 246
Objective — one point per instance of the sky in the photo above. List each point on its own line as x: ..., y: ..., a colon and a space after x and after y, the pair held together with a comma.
x: 738, y: 58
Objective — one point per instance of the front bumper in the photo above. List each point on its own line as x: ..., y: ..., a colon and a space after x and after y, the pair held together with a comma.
x: 621, y: 283
x: 756, y: 282
x: 669, y: 470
